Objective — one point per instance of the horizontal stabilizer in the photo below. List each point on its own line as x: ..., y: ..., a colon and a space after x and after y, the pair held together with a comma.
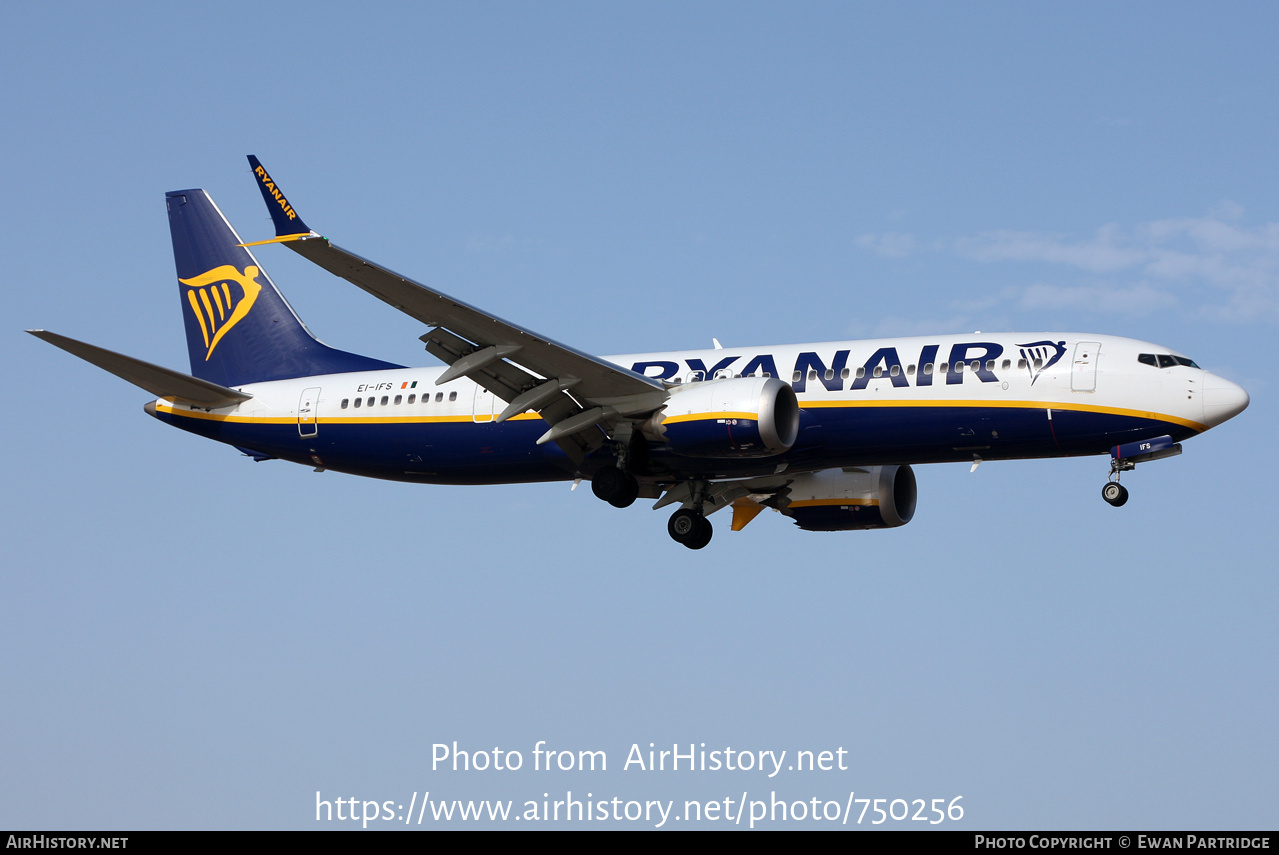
x: 161, y: 382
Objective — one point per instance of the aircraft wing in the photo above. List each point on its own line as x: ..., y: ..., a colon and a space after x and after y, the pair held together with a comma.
x: 576, y: 393
x: 159, y: 381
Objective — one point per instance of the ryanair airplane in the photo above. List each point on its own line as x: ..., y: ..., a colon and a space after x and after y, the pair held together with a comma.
x: 824, y: 433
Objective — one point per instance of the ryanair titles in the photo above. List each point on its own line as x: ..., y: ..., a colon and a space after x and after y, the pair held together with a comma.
x: 976, y: 358
x: 275, y: 193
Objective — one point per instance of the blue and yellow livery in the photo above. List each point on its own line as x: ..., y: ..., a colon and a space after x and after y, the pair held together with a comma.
x: 825, y: 433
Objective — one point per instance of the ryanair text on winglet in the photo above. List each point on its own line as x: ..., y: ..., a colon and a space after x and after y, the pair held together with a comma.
x: 275, y: 193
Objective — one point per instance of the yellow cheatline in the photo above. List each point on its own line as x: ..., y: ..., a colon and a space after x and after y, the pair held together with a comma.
x: 808, y: 503
x: 1015, y: 405
x: 701, y: 417
x: 335, y: 420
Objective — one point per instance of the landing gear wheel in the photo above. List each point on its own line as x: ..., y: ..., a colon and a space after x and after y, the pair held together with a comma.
x: 618, y: 488
x: 1114, y: 493
x: 690, y: 528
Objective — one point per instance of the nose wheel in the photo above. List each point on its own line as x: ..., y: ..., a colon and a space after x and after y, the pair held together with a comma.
x: 1114, y: 493
x: 690, y: 528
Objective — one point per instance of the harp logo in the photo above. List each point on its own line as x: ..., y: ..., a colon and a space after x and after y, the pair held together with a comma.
x: 1040, y: 356
x: 220, y: 299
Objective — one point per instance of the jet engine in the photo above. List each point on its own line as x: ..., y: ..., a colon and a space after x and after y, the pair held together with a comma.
x: 850, y: 499
x: 734, y: 417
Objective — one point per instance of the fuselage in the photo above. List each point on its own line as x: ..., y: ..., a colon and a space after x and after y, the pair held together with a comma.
x: 925, y: 399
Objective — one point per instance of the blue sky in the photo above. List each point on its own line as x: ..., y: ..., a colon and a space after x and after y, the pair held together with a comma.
x: 193, y: 640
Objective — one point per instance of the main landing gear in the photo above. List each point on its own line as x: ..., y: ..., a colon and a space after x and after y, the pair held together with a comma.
x: 615, y: 486
x: 690, y: 528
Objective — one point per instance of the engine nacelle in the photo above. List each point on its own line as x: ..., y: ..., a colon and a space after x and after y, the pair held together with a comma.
x: 735, y: 417
x: 850, y: 499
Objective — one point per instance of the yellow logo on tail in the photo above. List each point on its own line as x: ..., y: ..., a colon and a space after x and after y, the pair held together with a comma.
x: 216, y: 306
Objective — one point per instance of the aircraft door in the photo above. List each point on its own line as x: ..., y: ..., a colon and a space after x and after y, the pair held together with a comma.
x: 1083, y: 372
x: 483, y: 411
x: 308, y: 412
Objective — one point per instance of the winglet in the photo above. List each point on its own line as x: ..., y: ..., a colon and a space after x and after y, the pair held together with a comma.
x: 287, y: 222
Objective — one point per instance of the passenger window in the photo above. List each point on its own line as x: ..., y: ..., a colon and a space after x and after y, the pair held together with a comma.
x: 357, y: 402
x: 345, y: 401
x: 412, y: 398
x: 384, y: 400
x: 452, y: 396
x: 439, y: 396
x: 1007, y: 364
x: 399, y: 399
x: 861, y: 372
x: 910, y: 369
x: 370, y: 402
x: 843, y: 375
x: 928, y: 368
x: 895, y: 370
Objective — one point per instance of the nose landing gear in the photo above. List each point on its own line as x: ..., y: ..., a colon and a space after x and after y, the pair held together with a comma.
x: 1126, y: 457
x: 1114, y: 493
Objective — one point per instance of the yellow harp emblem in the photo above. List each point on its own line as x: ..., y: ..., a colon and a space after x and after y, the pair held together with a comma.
x: 217, y: 305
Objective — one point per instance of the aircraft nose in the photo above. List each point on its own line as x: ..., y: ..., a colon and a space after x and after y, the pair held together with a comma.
x: 1222, y: 400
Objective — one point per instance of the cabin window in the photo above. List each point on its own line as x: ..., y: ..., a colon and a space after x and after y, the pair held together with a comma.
x: 895, y: 370
x: 879, y: 371
x: 812, y: 375
x: 399, y: 399
x: 384, y: 400
x: 412, y: 398
x: 861, y: 372
x: 452, y: 396
x: 795, y: 377
x: 830, y: 373
x: 1007, y: 364
x: 843, y: 375
x: 990, y: 365
x: 345, y: 402
x: 358, y: 402
x: 944, y: 367
x: 371, y: 401
x: 439, y: 396
x: 1021, y: 364
x: 910, y: 369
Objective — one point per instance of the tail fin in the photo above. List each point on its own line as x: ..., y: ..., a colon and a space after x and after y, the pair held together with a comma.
x: 240, y: 329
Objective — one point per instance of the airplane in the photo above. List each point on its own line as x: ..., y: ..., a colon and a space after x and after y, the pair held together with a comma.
x: 824, y: 433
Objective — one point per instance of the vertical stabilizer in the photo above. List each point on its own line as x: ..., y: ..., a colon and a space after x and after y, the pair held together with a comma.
x: 240, y: 329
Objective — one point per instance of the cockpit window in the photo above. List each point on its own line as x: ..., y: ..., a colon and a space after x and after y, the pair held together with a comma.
x: 1165, y: 360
